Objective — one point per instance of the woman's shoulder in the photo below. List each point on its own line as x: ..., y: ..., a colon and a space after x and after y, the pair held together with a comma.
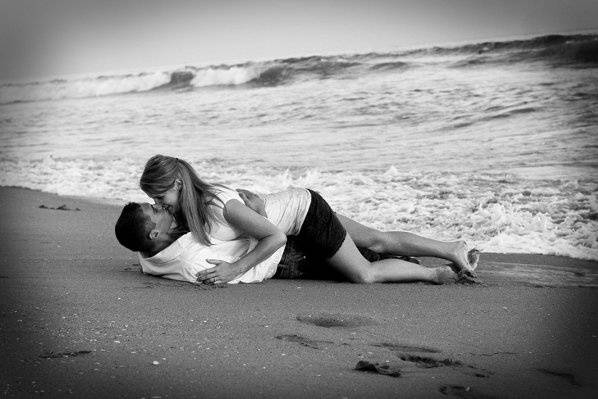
x: 225, y: 194
x: 218, y: 203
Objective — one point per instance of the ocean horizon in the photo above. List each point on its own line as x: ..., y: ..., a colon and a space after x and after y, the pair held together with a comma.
x: 494, y: 142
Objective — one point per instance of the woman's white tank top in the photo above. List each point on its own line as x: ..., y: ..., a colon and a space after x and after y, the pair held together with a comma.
x: 286, y: 210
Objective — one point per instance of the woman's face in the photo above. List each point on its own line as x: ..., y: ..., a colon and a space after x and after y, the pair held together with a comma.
x: 169, y: 199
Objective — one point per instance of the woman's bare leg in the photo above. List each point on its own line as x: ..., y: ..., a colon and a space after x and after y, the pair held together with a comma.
x: 357, y: 269
x: 409, y: 244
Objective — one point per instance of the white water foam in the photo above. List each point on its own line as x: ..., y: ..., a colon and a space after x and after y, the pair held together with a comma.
x: 227, y: 76
x: 82, y: 88
x: 119, y: 84
x: 543, y: 220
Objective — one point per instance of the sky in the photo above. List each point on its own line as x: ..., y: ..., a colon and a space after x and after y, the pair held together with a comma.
x: 42, y: 38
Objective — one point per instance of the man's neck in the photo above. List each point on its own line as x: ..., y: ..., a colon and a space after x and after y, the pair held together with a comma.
x: 160, y: 245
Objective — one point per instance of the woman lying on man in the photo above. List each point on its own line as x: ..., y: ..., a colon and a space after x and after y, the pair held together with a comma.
x: 214, y: 214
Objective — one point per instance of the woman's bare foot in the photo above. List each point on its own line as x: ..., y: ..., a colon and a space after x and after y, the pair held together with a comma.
x: 473, y: 257
x: 443, y: 275
x: 464, y: 259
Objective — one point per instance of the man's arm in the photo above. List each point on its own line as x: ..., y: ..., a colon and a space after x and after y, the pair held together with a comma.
x: 253, y: 201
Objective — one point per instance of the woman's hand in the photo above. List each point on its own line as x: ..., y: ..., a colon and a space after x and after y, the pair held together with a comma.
x: 222, y: 273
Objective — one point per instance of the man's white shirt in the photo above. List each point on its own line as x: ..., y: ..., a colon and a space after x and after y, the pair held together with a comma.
x: 186, y: 256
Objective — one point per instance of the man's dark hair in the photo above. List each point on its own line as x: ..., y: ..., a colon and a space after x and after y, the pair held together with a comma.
x: 132, y: 228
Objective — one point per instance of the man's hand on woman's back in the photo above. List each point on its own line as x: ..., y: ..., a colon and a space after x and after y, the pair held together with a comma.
x: 253, y: 201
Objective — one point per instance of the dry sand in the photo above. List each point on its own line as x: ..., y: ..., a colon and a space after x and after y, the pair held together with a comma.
x: 78, y: 319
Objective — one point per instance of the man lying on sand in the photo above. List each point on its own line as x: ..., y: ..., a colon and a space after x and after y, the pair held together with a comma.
x: 167, y: 251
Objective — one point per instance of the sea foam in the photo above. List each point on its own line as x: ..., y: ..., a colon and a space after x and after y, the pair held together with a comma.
x: 224, y: 76
x: 557, y: 218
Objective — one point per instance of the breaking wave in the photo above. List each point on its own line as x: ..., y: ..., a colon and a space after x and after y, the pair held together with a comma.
x: 579, y: 51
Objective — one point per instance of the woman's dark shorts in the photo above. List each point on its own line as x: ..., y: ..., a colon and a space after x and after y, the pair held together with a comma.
x: 321, y: 234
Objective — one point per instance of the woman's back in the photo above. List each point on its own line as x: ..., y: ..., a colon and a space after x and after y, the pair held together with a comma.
x: 285, y: 209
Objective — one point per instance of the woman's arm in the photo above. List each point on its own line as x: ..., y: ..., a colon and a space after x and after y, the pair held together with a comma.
x: 269, y: 237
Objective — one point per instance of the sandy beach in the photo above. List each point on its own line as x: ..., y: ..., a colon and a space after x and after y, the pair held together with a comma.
x: 78, y: 319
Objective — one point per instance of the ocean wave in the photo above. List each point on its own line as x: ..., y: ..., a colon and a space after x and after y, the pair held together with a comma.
x: 490, y: 114
x: 578, y: 51
x: 83, y: 88
x: 539, y: 42
x: 389, y: 66
x: 558, y: 50
x: 272, y: 76
x: 583, y: 53
x: 508, y: 113
x: 322, y: 66
x: 225, y: 76
x: 179, y: 79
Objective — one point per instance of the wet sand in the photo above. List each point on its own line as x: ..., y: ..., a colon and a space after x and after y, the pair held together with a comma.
x: 78, y: 319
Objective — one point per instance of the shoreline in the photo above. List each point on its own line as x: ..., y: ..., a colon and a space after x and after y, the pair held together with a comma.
x: 502, y: 257
x: 78, y: 318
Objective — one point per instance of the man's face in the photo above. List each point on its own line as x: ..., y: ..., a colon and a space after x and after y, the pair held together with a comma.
x: 161, y: 217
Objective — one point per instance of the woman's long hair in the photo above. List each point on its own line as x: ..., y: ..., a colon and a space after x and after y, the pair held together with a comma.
x: 160, y: 174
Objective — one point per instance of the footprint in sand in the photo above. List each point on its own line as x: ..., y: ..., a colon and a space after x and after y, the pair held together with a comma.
x: 462, y: 392
x: 428, y: 362
x: 398, y: 347
x: 62, y: 207
x: 335, y: 320
x: 570, y: 378
x: 388, y: 369
x: 304, y: 341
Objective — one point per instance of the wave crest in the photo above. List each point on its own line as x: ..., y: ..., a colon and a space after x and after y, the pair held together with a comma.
x: 82, y: 88
x: 578, y: 51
